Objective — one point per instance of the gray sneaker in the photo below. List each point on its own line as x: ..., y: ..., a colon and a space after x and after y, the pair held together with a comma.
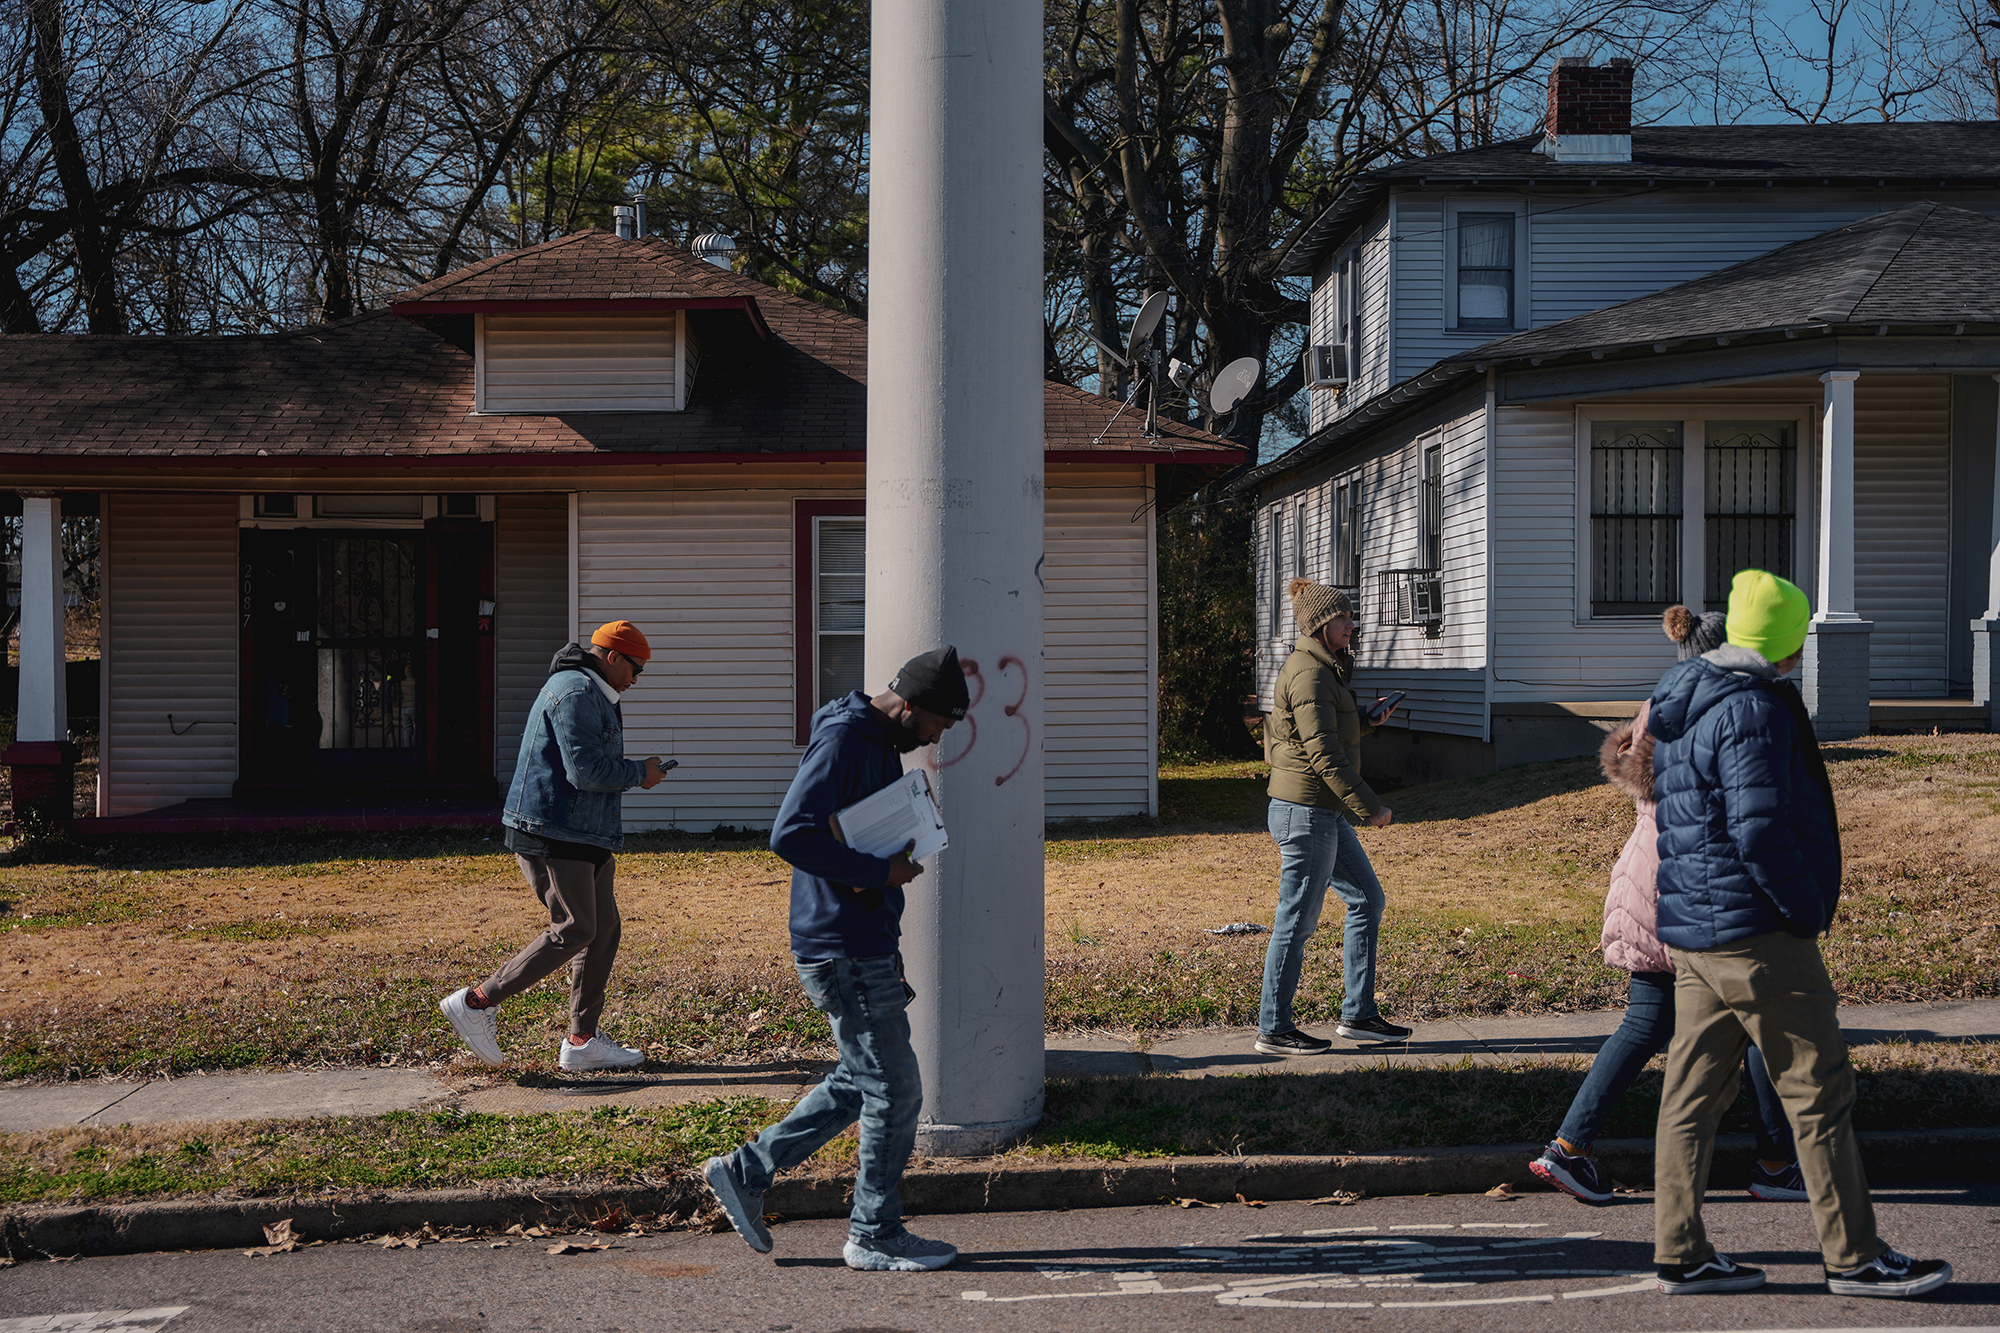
x: 745, y: 1210
x: 897, y: 1254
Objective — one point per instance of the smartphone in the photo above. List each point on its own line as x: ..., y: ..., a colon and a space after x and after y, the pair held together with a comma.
x: 666, y: 764
x: 1382, y: 706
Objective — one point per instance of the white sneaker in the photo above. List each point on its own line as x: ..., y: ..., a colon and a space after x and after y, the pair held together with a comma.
x: 598, y: 1053
x: 477, y: 1028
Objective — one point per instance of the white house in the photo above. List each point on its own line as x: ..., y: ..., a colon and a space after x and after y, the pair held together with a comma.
x: 337, y: 561
x: 1562, y: 384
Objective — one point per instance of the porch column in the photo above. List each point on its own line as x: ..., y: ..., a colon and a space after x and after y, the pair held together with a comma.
x: 42, y: 760
x: 1836, y: 661
x: 1988, y: 624
x: 955, y: 526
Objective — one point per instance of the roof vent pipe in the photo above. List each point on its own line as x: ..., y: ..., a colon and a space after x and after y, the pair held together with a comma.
x: 716, y: 248
x: 624, y: 221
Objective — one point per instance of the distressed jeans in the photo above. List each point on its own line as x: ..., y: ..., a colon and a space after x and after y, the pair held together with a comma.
x: 1317, y: 850
x: 876, y: 1082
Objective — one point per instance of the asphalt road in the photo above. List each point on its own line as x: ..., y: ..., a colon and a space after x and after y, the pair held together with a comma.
x: 1424, y: 1264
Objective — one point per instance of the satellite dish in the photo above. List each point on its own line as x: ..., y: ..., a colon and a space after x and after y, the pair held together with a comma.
x: 1146, y: 321
x: 1232, y: 383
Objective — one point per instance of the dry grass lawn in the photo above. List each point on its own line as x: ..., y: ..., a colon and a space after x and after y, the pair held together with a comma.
x: 202, y: 952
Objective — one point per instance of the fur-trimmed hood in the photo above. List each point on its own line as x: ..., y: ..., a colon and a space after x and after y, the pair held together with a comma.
x: 1628, y: 764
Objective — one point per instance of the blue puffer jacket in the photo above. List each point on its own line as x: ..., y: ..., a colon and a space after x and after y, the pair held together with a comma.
x: 571, y: 778
x: 1748, y: 843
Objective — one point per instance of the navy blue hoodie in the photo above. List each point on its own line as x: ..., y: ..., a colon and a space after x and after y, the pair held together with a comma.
x: 842, y: 905
x: 1748, y: 843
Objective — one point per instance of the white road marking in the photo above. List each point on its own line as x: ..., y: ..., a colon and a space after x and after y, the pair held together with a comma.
x: 1351, y: 1263
x: 96, y: 1321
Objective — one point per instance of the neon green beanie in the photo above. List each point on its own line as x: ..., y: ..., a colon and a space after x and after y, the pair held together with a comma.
x: 1767, y: 614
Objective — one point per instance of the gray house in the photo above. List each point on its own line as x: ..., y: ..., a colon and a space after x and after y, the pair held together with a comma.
x: 1556, y: 392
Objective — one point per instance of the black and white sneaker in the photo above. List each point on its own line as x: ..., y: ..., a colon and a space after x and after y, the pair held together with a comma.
x: 1294, y: 1042
x: 1377, y: 1028
x: 1714, y: 1274
x: 1787, y: 1185
x: 1890, y: 1274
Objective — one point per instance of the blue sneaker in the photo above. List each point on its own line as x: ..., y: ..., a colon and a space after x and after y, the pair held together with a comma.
x: 903, y: 1253
x: 1573, y: 1175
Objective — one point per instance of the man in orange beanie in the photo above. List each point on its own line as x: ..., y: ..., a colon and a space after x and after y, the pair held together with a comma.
x: 564, y: 819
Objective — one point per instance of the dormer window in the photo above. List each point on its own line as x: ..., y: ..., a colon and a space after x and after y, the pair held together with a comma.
x: 609, y: 361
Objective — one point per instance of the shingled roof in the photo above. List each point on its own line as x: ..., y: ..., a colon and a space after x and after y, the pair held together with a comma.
x: 1927, y: 271
x: 779, y: 375
x: 1930, y: 156
x: 1926, y: 264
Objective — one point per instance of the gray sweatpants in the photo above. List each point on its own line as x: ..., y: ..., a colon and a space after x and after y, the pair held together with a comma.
x: 583, y: 932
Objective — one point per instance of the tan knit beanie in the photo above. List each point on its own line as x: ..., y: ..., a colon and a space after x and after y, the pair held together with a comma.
x: 1313, y: 604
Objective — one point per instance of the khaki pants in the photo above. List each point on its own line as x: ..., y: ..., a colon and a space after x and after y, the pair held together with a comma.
x: 1773, y: 990
x: 583, y: 932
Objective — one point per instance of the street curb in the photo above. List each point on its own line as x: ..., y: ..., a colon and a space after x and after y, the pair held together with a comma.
x: 958, y: 1186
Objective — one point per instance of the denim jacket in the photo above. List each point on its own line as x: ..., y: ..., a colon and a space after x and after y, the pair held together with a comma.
x: 569, y: 782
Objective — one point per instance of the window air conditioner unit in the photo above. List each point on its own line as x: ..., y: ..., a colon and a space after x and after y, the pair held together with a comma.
x: 1326, y: 366
x: 1414, y: 597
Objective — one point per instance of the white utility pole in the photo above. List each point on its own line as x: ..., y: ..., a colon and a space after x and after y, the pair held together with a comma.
x: 955, y: 523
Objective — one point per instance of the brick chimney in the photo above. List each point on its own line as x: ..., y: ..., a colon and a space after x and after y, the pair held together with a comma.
x: 1590, y: 111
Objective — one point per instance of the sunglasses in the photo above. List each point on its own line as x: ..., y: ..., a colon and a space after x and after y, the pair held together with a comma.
x: 638, y: 667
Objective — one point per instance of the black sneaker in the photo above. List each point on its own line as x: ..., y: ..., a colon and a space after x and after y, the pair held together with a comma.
x: 1377, y: 1028
x: 1294, y: 1042
x: 1715, y: 1274
x: 1576, y: 1175
x: 1890, y: 1274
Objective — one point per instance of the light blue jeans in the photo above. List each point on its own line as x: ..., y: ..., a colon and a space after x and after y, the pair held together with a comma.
x: 876, y: 1082
x: 1318, y: 849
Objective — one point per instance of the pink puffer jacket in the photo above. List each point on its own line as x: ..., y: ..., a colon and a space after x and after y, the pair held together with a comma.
x: 1632, y: 908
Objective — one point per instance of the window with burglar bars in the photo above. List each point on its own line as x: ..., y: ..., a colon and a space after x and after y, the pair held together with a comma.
x: 1274, y: 542
x: 1752, y: 471
x: 1347, y: 536
x: 1433, y: 529
x: 1635, y: 517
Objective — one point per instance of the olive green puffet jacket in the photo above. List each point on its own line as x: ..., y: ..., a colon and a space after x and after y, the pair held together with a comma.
x: 1316, y: 732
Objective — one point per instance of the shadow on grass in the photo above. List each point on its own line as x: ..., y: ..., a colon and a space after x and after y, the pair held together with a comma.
x: 1384, y: 1108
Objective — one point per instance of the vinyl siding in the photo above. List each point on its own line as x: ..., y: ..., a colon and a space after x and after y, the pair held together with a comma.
x: 578, y: 363
x: 1445, y: 676
x: 1902, y: 529
x: 531, y: 619
x: 706, y: 569
x: 1099, y: 691
x: 170, y: 647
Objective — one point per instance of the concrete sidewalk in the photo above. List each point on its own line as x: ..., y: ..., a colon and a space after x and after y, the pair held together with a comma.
x: 1200, y: 1053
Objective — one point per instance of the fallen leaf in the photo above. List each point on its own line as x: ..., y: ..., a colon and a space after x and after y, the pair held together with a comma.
x: 1502, y: 1191
x: 1193, y: 1203
x: 515, y: 1230
x: 498, y: 1244
x: 577, y: 1247
x: 1249, y: 1203
x: 281, y: 1233
x: 1339, y: 1198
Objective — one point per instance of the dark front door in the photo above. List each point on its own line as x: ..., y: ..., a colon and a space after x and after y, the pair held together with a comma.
x: 366, y: 658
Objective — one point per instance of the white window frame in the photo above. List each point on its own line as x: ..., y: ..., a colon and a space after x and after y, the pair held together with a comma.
x: 1694, y: 418
x: 819, y: 633
x: 1522, y: 284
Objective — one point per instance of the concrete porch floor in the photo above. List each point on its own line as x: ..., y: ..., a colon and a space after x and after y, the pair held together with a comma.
x: 333, y: 815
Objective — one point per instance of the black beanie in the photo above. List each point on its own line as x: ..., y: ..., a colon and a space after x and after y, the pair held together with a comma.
x: 934, y: 683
